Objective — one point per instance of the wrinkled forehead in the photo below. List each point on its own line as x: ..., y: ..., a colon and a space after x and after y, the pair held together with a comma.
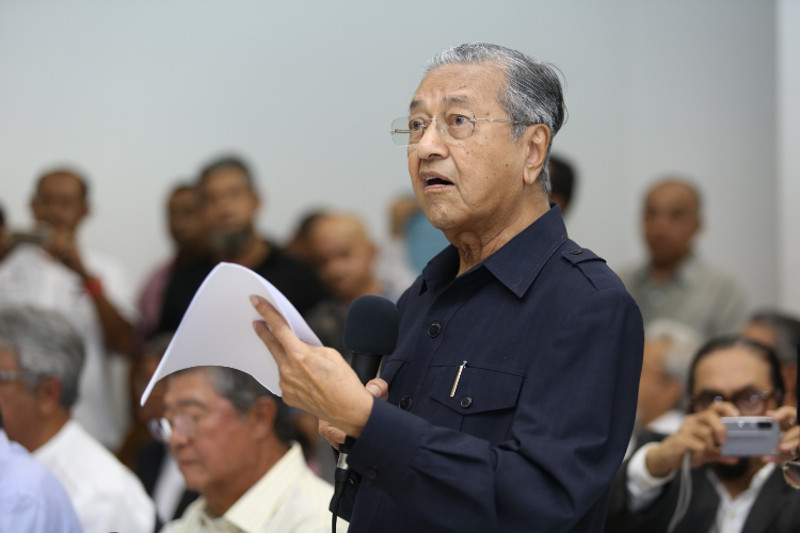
x: 473, y: 85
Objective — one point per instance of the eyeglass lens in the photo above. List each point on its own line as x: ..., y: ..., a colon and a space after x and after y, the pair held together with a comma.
x: 408, y: 131
x: 748, y: 401
x: 162, y: 428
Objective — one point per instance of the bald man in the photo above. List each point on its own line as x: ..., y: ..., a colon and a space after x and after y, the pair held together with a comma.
x: 674, y: 282
x: 344, y: 256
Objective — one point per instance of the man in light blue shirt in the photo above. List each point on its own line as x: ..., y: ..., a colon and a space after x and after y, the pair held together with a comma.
x: 31, y: 498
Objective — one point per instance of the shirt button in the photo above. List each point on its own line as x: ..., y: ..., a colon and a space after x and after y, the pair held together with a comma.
x: 576, y: 251
x: 434, y: 330
x: 371, y: 474
x: 405, y: 403
x: 466, y: 401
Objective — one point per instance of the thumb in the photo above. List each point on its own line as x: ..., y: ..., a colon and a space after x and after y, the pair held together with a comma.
x: 378, y: 388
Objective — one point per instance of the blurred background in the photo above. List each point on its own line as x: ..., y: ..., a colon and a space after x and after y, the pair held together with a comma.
x: 141, y: 94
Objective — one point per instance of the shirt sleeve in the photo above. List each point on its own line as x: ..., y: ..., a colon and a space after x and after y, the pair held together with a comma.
x: 566, y: 442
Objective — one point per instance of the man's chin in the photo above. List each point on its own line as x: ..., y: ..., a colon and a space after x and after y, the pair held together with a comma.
x: 193, y: 477
x: 230, y: 243
x: 734, y: 471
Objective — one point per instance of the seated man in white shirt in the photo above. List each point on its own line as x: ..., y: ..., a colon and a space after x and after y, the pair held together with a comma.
x: 729, y: 376
x: 41, y: 356
x: 231, y: 439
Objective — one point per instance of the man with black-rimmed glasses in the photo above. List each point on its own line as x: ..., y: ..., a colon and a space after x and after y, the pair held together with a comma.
x: 729, y: 377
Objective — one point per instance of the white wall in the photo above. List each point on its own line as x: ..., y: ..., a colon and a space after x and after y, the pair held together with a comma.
x: 788, y: 17
x: 142, y: 93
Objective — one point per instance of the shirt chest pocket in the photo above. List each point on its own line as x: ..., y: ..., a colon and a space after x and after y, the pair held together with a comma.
x: 479, y: 401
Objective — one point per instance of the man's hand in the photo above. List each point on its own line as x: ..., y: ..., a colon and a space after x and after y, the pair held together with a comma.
x: 789, y: 445
x: 335, y: 436
x: 62, y: 246
x: 701, y: 434
x: 313, y: 378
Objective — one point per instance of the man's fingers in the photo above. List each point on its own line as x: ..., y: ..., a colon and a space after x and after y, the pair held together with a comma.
x: 786, y: 415
x: 278, y: 330
x: 332, y: 434
x: 272, y: 343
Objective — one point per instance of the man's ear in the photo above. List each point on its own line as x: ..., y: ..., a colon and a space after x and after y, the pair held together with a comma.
x: 263, y: 414
x: 48, y: 396
x: 260, y: 200
x: 537, y: 141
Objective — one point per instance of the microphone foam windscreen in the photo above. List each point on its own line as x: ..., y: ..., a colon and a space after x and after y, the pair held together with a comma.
x: 372, y: 325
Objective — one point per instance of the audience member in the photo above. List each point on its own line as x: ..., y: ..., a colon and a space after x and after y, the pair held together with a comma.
x: 230, y: 204
x: 141, y: 370
x: 668, y: 350
x: 674, y: 282
x: 188, y: 231
x: 41, y: 355
x: 344, y: 257
x: 339, y: 246
x: 31, y: 498
x: 781, y: 332
x: 298, y: 246
x: 231, y: 439
x: 149, y: 457
x: 729, y: 376
x: 88, y: 287
x: 412, y: 242
x: 563, y: 182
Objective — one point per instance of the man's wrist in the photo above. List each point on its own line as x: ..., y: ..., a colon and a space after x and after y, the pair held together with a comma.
x: 639, y: 471
x: 654, y: 463
x: 93, y: 286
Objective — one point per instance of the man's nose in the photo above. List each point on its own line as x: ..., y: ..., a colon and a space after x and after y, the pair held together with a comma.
x: 432, y: 143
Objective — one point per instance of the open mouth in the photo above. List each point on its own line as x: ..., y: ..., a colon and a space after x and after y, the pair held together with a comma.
x: 436, y: 180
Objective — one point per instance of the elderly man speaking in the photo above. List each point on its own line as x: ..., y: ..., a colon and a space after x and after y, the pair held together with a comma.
x: 510, y: 398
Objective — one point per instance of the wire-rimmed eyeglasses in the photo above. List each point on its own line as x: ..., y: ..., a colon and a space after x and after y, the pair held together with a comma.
x: 163, y: 428
x: 408, y: 131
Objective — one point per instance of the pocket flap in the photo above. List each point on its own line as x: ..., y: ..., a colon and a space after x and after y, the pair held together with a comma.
x: 479, y: 390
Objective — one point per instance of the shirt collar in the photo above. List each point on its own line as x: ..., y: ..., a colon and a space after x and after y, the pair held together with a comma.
x: 687, y: 272
x: 263, y: 500
x: 515, y: 265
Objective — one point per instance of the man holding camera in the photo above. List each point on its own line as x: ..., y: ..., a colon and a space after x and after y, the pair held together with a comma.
x: 729, y: 377
x: 48, y: 268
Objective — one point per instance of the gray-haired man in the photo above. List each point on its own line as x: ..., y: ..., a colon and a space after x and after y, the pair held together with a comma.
x: 512, y: 390
x: 231, y: 440
x: 41, y: 357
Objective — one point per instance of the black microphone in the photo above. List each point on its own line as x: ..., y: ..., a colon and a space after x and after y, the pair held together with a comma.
x: 370, y: 332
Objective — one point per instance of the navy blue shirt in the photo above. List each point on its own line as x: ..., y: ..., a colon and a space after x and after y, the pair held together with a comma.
x: 530, y: 435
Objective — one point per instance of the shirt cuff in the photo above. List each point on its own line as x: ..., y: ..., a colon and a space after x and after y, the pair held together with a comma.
x: 643, y: 488
x: 385, y: 450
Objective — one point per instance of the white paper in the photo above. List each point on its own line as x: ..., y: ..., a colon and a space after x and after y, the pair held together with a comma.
x: 217, y: 329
